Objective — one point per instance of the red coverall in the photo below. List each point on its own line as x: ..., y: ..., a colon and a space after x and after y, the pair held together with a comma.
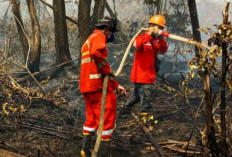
x: 143, y: 70
x: 94, y: 66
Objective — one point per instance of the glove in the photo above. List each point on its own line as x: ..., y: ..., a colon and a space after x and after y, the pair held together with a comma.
x: 163, y: 33
x: 111, y: 73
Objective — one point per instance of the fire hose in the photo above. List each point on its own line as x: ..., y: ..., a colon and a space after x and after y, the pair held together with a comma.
x: 165, y: 34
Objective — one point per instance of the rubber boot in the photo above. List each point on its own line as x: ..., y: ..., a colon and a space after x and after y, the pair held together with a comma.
x: 105, y: 149
x: 86, y: 146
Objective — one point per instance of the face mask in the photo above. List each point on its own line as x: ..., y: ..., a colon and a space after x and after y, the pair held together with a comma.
x: 154, y: 35
x: 110, y: 38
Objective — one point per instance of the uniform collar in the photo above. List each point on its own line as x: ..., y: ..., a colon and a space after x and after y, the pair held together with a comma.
x: 97, y: 31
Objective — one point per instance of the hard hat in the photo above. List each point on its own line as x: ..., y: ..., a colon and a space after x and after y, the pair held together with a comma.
x: 158, y: 20
x: 110, y: 23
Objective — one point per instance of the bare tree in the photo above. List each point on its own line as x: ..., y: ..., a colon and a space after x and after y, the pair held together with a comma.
x: 224, y: 45
x: 61, y: 32
x: 210, y: 129
x: 38, y: 8
x: 98, y: 11
x: 34, y: 59
x: 84, y: 20
x: 20, y: 26
x: 159, y: 6
x: 195, y: 22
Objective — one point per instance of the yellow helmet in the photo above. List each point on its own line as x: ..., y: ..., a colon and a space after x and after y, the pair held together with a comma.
x: 158, y: 20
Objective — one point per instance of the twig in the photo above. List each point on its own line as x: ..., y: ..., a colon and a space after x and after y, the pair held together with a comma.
x: 172, y: 147
x: 57, y: 66
x: 67, y: 17
x: 42, y: 127
x: 36, y: 128
x: 28, y: 40
x: 146, y: 130
x: 195, y: 119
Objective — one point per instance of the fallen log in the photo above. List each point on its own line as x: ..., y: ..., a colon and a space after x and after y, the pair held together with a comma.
x: 4, y: 153
x: 179, y: 150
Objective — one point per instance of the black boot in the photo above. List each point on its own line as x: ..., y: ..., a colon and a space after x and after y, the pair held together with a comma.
x: 124, y: 112
x: 105, y: 149
x: 86, y: 146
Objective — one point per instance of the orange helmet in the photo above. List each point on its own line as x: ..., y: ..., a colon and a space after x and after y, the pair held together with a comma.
x: 158, y: 19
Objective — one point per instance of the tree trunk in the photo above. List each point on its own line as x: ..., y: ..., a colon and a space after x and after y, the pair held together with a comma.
x: 50, y: 6
x: 224, y: 147
x: 98, y: 12
x: 94, y: 18
x: 223, y: 102
x: 20, y: 27
x: 84, y: 20
x: 209, y: 117
x: 34, y: 59
x: 194, y: 20
x: 165, y: 5
x: 38, y: 8
x: 61, y: 32
x: 159, y: 7
x: 101, y: 9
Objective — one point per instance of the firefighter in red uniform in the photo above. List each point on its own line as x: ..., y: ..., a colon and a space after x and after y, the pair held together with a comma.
x: 94, y: 66
x: 148, y: 45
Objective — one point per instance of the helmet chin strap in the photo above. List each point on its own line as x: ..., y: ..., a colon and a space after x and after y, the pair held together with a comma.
x: 104, y: 31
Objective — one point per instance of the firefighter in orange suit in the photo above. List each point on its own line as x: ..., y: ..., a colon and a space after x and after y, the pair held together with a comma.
x: 94, y: 66
x: 147, y: 46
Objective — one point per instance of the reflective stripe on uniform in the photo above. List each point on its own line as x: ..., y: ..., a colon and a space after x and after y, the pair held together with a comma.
x: 86, y: 60
x: 148, y: 44
x: 85, y: 53
x: 107, y: 132
x: 86, y: 42
x: 100, y: 65
x: 134, y: 44
x: 89, y: 129
x: 95, y: 76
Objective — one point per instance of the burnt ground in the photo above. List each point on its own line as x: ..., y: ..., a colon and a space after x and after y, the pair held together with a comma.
x: 47, y: 130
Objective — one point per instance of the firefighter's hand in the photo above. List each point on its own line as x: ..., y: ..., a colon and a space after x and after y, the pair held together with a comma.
x: 158, y: 31
x: 150, y: 30
x: 111, y: 73
x: 121, y: 90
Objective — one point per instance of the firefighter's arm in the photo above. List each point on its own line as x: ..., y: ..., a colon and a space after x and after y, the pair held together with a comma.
x: 97, y: 48
x: 103, y: 65
x: 141, y: 40
x: 120, y: 89
x: 161, y: 45
x: 114, y: 82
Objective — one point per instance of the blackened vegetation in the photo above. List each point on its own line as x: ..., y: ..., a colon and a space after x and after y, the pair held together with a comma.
x: 45, y: 118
